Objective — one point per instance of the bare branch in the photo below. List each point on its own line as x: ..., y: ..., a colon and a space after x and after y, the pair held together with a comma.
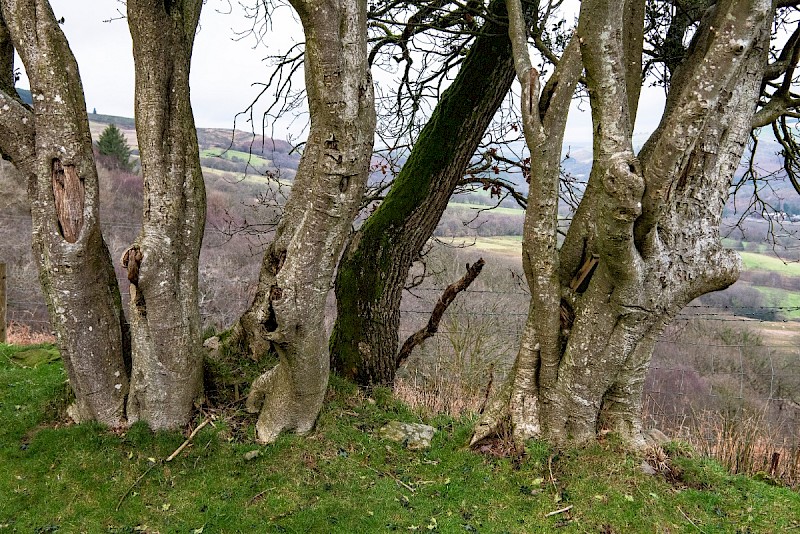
x: 450, y: 293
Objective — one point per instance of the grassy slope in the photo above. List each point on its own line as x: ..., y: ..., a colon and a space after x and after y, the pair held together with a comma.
x: 764, y: 262
x: 342, y: 478
x: 231, y: 155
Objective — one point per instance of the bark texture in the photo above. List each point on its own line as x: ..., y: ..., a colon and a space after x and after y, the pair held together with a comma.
x: 162, y: 263
x: 650, y: 223
x: 376, y: 262
x: 288, y: 312
x: 51, y: 145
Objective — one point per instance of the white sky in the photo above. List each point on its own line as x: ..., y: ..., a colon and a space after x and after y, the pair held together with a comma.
x: 224, y: 68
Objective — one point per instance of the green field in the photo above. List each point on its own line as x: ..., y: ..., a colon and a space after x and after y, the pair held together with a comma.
x: 235, y: 155
x: 763, y: 262
x: 783, y: 299
x: 507, y: 245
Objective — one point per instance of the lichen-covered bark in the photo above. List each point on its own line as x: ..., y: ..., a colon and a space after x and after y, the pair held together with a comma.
x: 162, y: 263
x: 375, y: 265
x: 288, y: 312
x: 651, y: 220
x: 51, y: 145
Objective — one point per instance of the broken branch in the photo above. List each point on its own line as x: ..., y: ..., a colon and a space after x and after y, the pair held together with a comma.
x: 445, y: 300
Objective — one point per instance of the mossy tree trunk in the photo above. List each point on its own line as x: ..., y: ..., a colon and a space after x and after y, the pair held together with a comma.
x: 51, y: 145
x: 375, y: 265
x: 647, y: 225
x: 163, y: 262
x: 288, y: 312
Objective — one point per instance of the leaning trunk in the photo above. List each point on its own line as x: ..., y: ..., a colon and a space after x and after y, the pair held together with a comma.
x: 376, y: 263
x: 162, y: 263
x: 287, y: 315
x: 52, y: 146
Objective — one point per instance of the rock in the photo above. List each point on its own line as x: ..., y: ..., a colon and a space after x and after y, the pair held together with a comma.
x: 212, y: 343
x: 414, y: 436
x: 648, y: 469
x: 252, y: 455
x: 654, y: 437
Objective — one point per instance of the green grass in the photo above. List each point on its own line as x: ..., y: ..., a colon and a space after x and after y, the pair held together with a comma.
x: 341, y: 478
x: 763, y: 262
x: 235, y: 155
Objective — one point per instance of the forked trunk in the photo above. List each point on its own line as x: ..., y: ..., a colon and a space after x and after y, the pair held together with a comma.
x: 162, y: 263
x: 645, y: 240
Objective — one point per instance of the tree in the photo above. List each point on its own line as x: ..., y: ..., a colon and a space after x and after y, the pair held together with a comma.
x: 376, y: 262
x: 162, y: 264
x: 645, y: 239
x: 50, y: 144
x: 288, y: 312
x: 113, y: 144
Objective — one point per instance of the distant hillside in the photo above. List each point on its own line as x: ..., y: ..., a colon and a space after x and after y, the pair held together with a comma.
x: 25, y: 95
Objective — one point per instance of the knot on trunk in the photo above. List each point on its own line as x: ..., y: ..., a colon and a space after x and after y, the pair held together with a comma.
x: 132, y: 260
x: 68, y: 193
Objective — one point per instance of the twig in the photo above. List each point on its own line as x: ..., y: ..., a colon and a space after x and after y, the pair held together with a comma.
x: 185, y: 443
x: 552, y: 478
x: 445, y: 300
x: 409, y: 488
x: 566, y: 509
x: 689, y: 519
x: 488, y: 389
x: 134, y: 485
x: 259, y: 494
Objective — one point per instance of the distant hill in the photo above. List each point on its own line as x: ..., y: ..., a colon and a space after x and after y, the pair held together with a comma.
x: 25, y: 95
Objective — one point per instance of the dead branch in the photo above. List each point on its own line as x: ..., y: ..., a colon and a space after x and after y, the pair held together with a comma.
x: 188, y: 440
x: 445, y: 300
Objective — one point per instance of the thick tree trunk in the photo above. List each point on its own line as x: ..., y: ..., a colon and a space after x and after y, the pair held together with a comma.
x: 375, y: 265
x: 651, y: 222
x: 162, y: 263
x: 288, y: 312
x: 52, y: 146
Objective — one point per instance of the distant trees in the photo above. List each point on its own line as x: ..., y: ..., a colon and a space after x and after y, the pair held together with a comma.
x: 112, y: 143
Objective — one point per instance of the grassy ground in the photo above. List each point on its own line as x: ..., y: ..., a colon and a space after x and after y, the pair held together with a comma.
x: 341, y: 478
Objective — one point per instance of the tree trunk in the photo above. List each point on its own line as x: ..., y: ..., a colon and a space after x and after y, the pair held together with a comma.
x: 288, y: 312
x: 651, y: 223
x: 162, y: 263
x: 51, y: 145
x: 376, y: 262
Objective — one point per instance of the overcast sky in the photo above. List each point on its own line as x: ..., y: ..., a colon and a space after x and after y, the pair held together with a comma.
x: 224, y: 67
